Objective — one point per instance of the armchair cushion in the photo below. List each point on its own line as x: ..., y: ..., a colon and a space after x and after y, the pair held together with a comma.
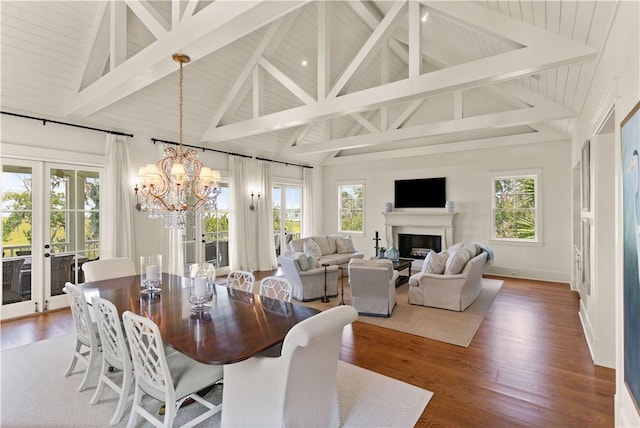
x: 373, y: 290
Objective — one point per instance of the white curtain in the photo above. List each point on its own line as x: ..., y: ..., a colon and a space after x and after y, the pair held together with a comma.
x: 240, y: 242
x: 116, y: 218
x: 266, y: 244
x: 309, y: 227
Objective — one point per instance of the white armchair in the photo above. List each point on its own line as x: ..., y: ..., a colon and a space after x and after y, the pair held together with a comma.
x: 297, y: 389
x: 373, y: 286
x: 308, y: 284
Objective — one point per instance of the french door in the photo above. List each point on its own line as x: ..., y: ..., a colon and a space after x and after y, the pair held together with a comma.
x: 287, y: 214
x: 50, y: 225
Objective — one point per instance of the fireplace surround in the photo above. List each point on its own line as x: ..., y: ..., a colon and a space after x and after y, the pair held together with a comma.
x: 432, y: 222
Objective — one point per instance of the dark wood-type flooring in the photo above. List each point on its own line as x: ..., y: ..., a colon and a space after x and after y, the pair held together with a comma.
x: 527, y: 366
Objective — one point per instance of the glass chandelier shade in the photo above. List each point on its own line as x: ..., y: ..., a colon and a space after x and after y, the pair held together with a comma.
x: 178, y: 185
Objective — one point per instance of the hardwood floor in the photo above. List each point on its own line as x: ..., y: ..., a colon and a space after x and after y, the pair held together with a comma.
x: 527, y: 366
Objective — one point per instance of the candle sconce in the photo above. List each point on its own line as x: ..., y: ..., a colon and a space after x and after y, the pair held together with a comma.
x: 252, y: 206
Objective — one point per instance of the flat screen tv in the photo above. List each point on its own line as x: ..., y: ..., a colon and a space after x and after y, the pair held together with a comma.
x: 421, y: 193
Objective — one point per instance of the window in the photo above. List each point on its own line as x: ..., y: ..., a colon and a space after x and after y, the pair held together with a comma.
x: 515, y: 208
x: 351, y: 208
x: 287, y: 214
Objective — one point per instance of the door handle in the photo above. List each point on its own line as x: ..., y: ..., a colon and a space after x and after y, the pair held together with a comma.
x: 47, y: 255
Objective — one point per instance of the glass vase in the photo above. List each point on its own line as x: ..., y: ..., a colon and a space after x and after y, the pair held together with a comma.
x: 201, y: 286
x: 151, y: 273
x: 392, y: 253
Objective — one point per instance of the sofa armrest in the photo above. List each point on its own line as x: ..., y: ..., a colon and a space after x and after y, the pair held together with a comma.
x: 424, y: 280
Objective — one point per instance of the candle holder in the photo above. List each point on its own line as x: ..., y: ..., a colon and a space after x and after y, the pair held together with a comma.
x: 201, y: 286
x: 151, y: 273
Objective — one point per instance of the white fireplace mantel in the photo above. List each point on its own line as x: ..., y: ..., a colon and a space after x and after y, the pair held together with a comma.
x: 426, y: 222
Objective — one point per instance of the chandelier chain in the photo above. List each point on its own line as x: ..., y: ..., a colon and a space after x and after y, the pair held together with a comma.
x: 180, y: 107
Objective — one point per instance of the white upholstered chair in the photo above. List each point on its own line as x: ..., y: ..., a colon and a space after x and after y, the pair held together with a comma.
x: 276, y: 288
x: 86, y: 334
x: 297, y: 389
x: 168, y: 378
x: 373, y: 286
x: 98, y: 270
x: 114, y: 354
x: 308, y: 284
x: 242, y: 280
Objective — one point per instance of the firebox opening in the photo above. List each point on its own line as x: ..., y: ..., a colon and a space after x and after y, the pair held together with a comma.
x: 418, y: 246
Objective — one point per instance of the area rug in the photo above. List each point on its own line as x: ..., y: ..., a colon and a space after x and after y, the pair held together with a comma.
x: 456, y: 328
x: 35, y: 393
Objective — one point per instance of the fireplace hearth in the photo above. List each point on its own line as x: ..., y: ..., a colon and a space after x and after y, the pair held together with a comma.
x: 414, y: 246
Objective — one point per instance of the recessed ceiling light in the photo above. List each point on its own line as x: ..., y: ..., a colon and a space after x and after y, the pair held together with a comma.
x: 304, y: 62
x: 424, y: 17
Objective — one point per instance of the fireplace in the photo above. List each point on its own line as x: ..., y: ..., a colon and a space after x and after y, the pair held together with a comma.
x: 414, y: 246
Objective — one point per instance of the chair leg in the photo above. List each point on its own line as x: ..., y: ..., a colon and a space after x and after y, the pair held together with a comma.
x: 124, y: 396
x: 91, y: 364
x: 133, y: 416
x: 100, y: 387
x: 74, y: 360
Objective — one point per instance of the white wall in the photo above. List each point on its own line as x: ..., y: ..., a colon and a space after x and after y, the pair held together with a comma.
x: 469, y: 186
x: 619, y: 63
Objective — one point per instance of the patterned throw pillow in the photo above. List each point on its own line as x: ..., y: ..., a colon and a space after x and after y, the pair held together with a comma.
x: 344, y: 245
x: 302, y: 260
x: 435, y: 262
x: 313, y: 252
x: 456, y: 262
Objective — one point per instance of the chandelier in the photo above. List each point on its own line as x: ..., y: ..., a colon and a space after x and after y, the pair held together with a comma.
x: 178, y: 185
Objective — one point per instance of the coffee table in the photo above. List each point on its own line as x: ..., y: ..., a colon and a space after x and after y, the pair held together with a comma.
x: 401, y: 265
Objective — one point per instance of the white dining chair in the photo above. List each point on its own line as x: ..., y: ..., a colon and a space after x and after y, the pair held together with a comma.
x: 297, y: 389
x: 276, y: 287
x: 115, y: 354
x: 98, y: 270
x: 168, y: 378
x: 86, y: 334
x: 241, y: 280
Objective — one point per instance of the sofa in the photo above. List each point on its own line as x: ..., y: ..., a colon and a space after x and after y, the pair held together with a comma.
x: 308, y: 282
x: 336, y: 249
x: 373, y: 286
x: 449, y: 291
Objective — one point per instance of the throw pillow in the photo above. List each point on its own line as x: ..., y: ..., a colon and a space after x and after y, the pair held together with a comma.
x: 302, y: 260
x: 456, y: 262
x: 435, y: 262
x: 344, y: 245
x: 313, y: 252
x: 456, y: 246
x: 323, y: 244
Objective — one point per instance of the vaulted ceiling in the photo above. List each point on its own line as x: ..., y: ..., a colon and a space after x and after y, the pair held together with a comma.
x: 313, y: 82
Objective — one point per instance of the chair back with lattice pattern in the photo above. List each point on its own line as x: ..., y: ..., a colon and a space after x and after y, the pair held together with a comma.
x: 85, y: 329
x: 149, y: 359
x: 241, y: 280
x: 276, y: 288
x: 112, y: 338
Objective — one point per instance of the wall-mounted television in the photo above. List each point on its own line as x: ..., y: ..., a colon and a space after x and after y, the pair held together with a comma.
x: 421, y: 193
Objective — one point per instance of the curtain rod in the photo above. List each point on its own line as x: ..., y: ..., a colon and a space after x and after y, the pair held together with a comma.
x: 157, y: 140
x: 44, y: 122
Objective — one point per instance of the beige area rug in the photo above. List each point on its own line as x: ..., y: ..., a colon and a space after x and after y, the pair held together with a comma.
x: 35, y: 393
x: 457, y: 328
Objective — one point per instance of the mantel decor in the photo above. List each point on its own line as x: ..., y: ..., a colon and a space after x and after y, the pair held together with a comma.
x: 178, y: 185
x: 630, y: 139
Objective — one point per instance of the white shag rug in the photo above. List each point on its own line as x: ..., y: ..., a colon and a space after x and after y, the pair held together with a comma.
x: 35, y: 393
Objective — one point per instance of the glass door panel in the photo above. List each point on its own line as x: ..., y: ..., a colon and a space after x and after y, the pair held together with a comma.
x: 287, y: 215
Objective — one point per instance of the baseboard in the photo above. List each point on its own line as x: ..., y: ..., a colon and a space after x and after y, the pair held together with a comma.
x: 541, y: 275
x: 587, y: 329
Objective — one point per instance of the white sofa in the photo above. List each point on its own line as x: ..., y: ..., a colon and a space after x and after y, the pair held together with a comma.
x: 308, y: 284
x: 329, y: 248
x: 454, y: 292
x: 373, y: 286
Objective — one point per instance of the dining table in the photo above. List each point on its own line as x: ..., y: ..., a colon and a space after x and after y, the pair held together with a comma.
x: 237, y: 326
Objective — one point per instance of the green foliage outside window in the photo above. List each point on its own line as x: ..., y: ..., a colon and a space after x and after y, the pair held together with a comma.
x: 351, y: 208
x: 514, y: 213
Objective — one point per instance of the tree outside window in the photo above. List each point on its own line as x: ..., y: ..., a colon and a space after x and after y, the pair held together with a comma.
x: 351, y: 208
x: 515, y: 208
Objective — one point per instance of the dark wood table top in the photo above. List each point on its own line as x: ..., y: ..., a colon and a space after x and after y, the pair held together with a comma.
x: 239, y: 325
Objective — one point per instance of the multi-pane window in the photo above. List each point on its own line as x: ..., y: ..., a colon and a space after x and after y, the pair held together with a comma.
x: 515, y: 208
x: 351, y: 208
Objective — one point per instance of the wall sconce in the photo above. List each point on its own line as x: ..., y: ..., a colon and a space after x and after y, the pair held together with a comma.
x: 252, y: 206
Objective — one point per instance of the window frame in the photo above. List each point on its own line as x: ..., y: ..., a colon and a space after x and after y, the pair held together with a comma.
x: 536, y: 175
x: 340, y: 186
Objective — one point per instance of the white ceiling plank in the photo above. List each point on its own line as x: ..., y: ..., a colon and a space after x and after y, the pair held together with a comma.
x: 544, y: 136
x: 489, y: 121
x: 217, y: 25
x: 118, y: 39
x: 382, y: 31
x: 99, y: 55
x: 149, y: 16
x: 365, y: 123
x: 324, y: 54
x: 457, y: 105
x: 497, y: 68
x: 286, y: 81
x: 258, y: 91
